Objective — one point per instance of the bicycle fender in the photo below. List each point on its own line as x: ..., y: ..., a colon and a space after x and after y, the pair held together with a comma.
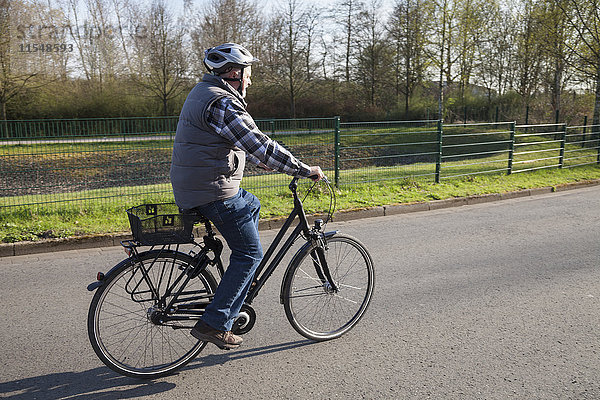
x: 299, y: 253
x: 101, y: 277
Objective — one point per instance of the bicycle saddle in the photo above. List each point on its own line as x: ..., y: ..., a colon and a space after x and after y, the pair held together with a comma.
x: 198, y: 217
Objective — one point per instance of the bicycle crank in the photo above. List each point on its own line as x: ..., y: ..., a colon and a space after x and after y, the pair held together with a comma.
x: 245, y: 320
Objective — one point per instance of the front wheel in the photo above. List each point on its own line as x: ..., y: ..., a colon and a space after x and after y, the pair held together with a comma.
x: 314, y: 308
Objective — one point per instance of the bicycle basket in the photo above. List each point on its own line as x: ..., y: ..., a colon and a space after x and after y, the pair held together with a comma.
x: 154, y: 224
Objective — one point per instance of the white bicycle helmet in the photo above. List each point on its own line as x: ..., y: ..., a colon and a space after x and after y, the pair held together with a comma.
x: 218, y: 59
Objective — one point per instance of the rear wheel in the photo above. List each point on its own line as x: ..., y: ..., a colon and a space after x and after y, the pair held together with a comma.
x: 312, y: 306
x: 129, y: 328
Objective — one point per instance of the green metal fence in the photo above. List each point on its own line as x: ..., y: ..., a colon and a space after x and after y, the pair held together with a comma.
x: 60, y: 161
x: 378, y: 151
x: 67, y: 129
x: 472, y: 149
x: 128, y: 159
x: 554, y: 146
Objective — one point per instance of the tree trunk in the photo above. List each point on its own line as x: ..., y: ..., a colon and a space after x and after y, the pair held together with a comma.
x: 441, y: 84
x: 292, y: 99
x: 596, y: 119
x: 348, y: 39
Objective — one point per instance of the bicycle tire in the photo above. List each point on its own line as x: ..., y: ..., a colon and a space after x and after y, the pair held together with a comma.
x: 311, y: 307
x: 120, y: 329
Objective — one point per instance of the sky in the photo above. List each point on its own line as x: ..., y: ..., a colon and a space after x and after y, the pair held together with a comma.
x: 272, y: 4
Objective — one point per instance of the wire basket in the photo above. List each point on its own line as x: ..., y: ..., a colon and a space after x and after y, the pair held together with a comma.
x: 155, y: 224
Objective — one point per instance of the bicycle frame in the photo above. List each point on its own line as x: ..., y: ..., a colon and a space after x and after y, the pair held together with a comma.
x: 265, y: 269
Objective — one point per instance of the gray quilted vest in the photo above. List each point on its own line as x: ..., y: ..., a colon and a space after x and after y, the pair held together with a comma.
x: 205, y: 167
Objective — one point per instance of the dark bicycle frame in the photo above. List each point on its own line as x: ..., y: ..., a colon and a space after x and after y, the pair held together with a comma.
x: 314, y: 234
x: 264, y: 270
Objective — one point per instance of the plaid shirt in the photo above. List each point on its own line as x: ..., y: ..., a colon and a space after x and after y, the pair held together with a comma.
x: 231, y: 120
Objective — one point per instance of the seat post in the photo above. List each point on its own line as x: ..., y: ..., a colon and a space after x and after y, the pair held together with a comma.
x: 209, y: 230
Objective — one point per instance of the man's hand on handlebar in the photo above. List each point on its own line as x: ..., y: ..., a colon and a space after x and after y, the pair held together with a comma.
x: 316, y: 174
x: 265, y: 167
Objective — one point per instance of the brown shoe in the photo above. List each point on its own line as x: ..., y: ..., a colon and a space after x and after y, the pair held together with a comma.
x: 225, y: 340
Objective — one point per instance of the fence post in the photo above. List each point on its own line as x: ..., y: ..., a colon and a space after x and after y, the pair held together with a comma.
x: 336, y: 151
x: 511, y: 147
x: 563, y: 142
x: 438, y: 163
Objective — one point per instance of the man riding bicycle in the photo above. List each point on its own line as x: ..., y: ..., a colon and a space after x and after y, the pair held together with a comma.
x: 215, y: 135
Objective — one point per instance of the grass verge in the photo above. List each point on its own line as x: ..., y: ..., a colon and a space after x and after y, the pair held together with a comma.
x: 59, y: 221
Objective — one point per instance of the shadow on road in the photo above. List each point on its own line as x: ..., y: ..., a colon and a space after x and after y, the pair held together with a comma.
x: 97, y: 383
x: 103, y: 383
x: 222, y: 358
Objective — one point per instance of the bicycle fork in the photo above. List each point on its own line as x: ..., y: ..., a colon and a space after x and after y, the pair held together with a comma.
x: 320, y: 263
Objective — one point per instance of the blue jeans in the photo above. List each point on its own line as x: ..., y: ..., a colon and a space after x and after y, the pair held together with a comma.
x: 236, y: 218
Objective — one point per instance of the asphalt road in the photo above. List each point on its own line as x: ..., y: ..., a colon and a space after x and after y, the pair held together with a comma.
x: 492, y: 301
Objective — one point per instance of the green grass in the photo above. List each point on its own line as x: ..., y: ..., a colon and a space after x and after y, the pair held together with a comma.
x: 105, y: 214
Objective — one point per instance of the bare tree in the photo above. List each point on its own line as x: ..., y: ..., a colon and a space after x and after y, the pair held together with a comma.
x: 473, y: 17
x: 287, y: 53
x: 374, y: 58
x: 529, y: 50
x: 20, y: 66
x: 494, y: 57
x: 78, y: 36
x: 123, y: 10
x: 347, y: 12
x: 222, y: 21
x: 439, y: 49
x: 103, y: 38
x: 163, y: 55
x: 310, y: 28
x: 584, y: 18
x: 408, y: 28
x: 54, y: 31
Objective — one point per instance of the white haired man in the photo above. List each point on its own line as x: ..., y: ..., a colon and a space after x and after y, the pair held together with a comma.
x: 215, y: 135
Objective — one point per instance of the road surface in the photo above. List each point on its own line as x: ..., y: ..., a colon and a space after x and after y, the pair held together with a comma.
x: 492, y: 301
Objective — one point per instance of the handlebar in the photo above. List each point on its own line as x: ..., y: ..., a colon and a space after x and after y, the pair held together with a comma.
x: 294, y: 183
x: 298, y: 202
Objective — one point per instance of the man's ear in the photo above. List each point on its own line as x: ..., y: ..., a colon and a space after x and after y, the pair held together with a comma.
x: 234, y: 74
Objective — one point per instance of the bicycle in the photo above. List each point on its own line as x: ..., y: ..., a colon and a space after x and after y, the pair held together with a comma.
x: 144, y: 307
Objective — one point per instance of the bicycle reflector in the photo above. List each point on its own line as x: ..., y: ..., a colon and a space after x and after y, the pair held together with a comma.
x: 97, y: 283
